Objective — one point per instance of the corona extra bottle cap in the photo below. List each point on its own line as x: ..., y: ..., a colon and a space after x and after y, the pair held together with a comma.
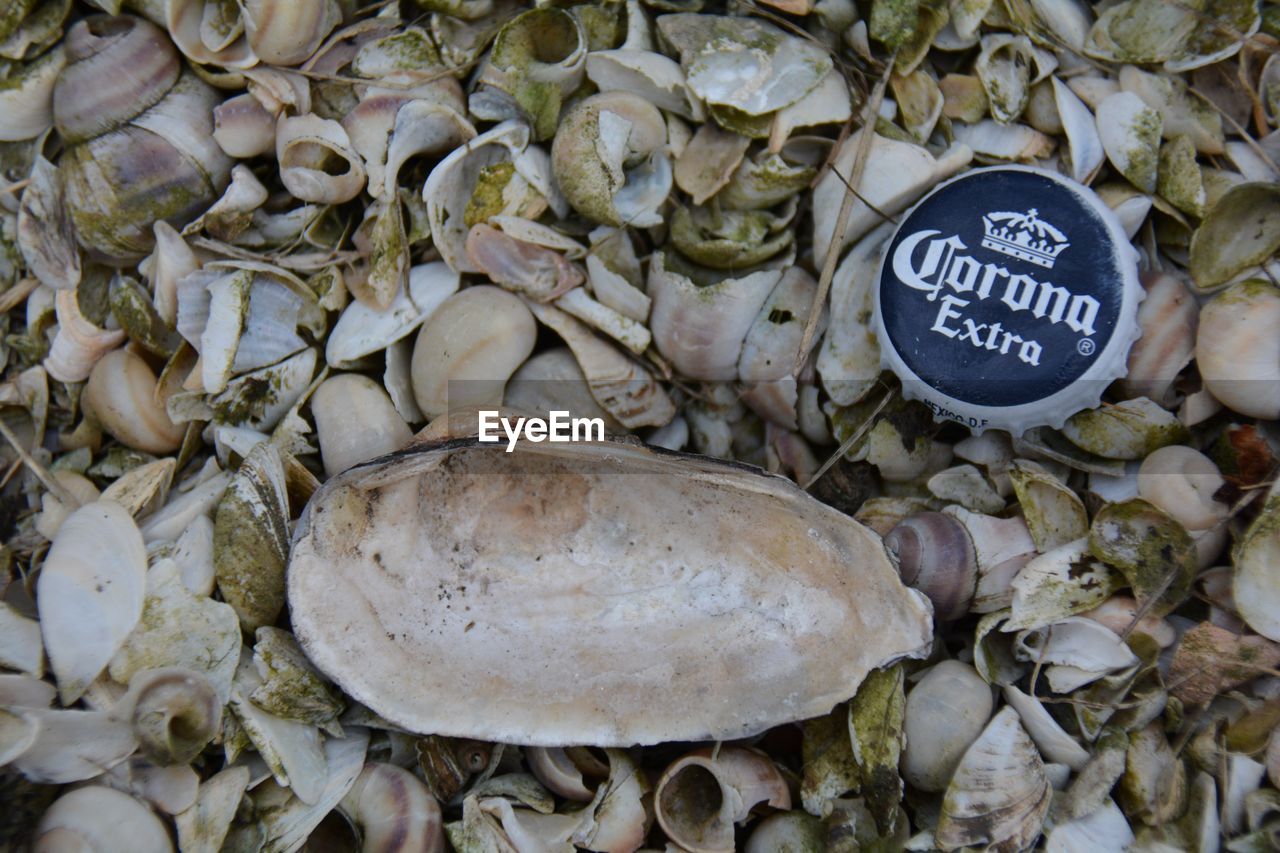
x: 1008, y: 299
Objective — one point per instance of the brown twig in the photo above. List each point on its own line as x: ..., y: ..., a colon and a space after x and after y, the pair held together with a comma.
x: 42, y: 473
x: 850, y: 441
x: 870, y: 110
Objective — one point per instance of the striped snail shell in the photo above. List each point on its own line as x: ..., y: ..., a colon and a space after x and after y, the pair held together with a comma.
x: 935, y: 555
x: 139, y: 130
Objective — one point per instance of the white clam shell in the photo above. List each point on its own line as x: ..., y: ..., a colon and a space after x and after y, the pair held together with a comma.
x: 991, y: 140
x: 204, y: 826
x: 362, y: 330
x: 72, y: 746
x: 1050, y: 738
x: 98, y: 818
x: 896, y: 174
x: 945, y: 713
x: 1256, y: 586
x: 1087, y: 155
x: 1182, y: 481
x: 90, y: 593
x: 701, y: 329
x: 469, y: 348
x: 349, y: 588
x: 1237, y: 352
x: 355, y: 421
x: 1075, y: 651
x: 771, y: 348
x: 292, y: 750
x: 21, y: 647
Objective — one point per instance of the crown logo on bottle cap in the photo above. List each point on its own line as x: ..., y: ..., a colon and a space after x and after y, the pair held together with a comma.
x: 1025, y: 236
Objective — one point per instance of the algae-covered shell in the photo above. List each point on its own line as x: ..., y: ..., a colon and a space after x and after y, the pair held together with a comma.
x: 535, y: 604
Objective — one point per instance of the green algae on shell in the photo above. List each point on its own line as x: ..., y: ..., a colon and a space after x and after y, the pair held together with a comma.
x: 507, y: 587
x: 1155, y: 554
x: 1128, y: 430
x: 251, y: 538
x: 1240, y: 231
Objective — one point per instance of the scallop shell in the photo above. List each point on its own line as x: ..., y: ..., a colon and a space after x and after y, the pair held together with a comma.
x: 683, y: 600
x: 999, y: 794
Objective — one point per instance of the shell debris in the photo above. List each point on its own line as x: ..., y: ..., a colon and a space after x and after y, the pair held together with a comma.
x: 268, y: 581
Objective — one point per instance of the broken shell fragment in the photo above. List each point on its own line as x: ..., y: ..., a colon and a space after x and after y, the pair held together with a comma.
x: 609, y: 162
x: 840, y: 630
x: 310, y: 150
x: 1130, y: 134
x: 702, y: 795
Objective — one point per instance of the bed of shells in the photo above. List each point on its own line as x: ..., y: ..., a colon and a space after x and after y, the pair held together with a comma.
x: 245, y: 245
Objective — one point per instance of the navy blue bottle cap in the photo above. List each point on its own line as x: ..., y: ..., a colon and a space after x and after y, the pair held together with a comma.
x: 1008, y: 299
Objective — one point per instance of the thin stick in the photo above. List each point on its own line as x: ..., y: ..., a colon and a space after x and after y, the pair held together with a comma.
x: 14, y: 296
x: 850, y: 441
x: 16, y: 186
x: 42, y: 473
x: 870, y: 111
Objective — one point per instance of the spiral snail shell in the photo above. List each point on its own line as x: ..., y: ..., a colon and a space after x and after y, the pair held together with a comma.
x: 935, y: 555
x: 140, y: 135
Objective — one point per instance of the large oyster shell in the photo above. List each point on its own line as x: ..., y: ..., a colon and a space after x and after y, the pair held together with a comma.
x: 608, y: 594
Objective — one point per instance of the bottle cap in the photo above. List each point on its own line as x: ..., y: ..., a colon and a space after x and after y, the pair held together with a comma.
x: 1008, y: 299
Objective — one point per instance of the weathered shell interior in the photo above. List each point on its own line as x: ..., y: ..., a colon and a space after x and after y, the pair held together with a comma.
x: 605, y: 594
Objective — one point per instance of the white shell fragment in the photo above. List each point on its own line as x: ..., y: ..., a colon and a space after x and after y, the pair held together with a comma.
x: 90, y: 593
x: 550, y: 562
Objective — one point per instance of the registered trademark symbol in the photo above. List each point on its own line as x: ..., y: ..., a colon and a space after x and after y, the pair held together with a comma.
x: 1085, y: 347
